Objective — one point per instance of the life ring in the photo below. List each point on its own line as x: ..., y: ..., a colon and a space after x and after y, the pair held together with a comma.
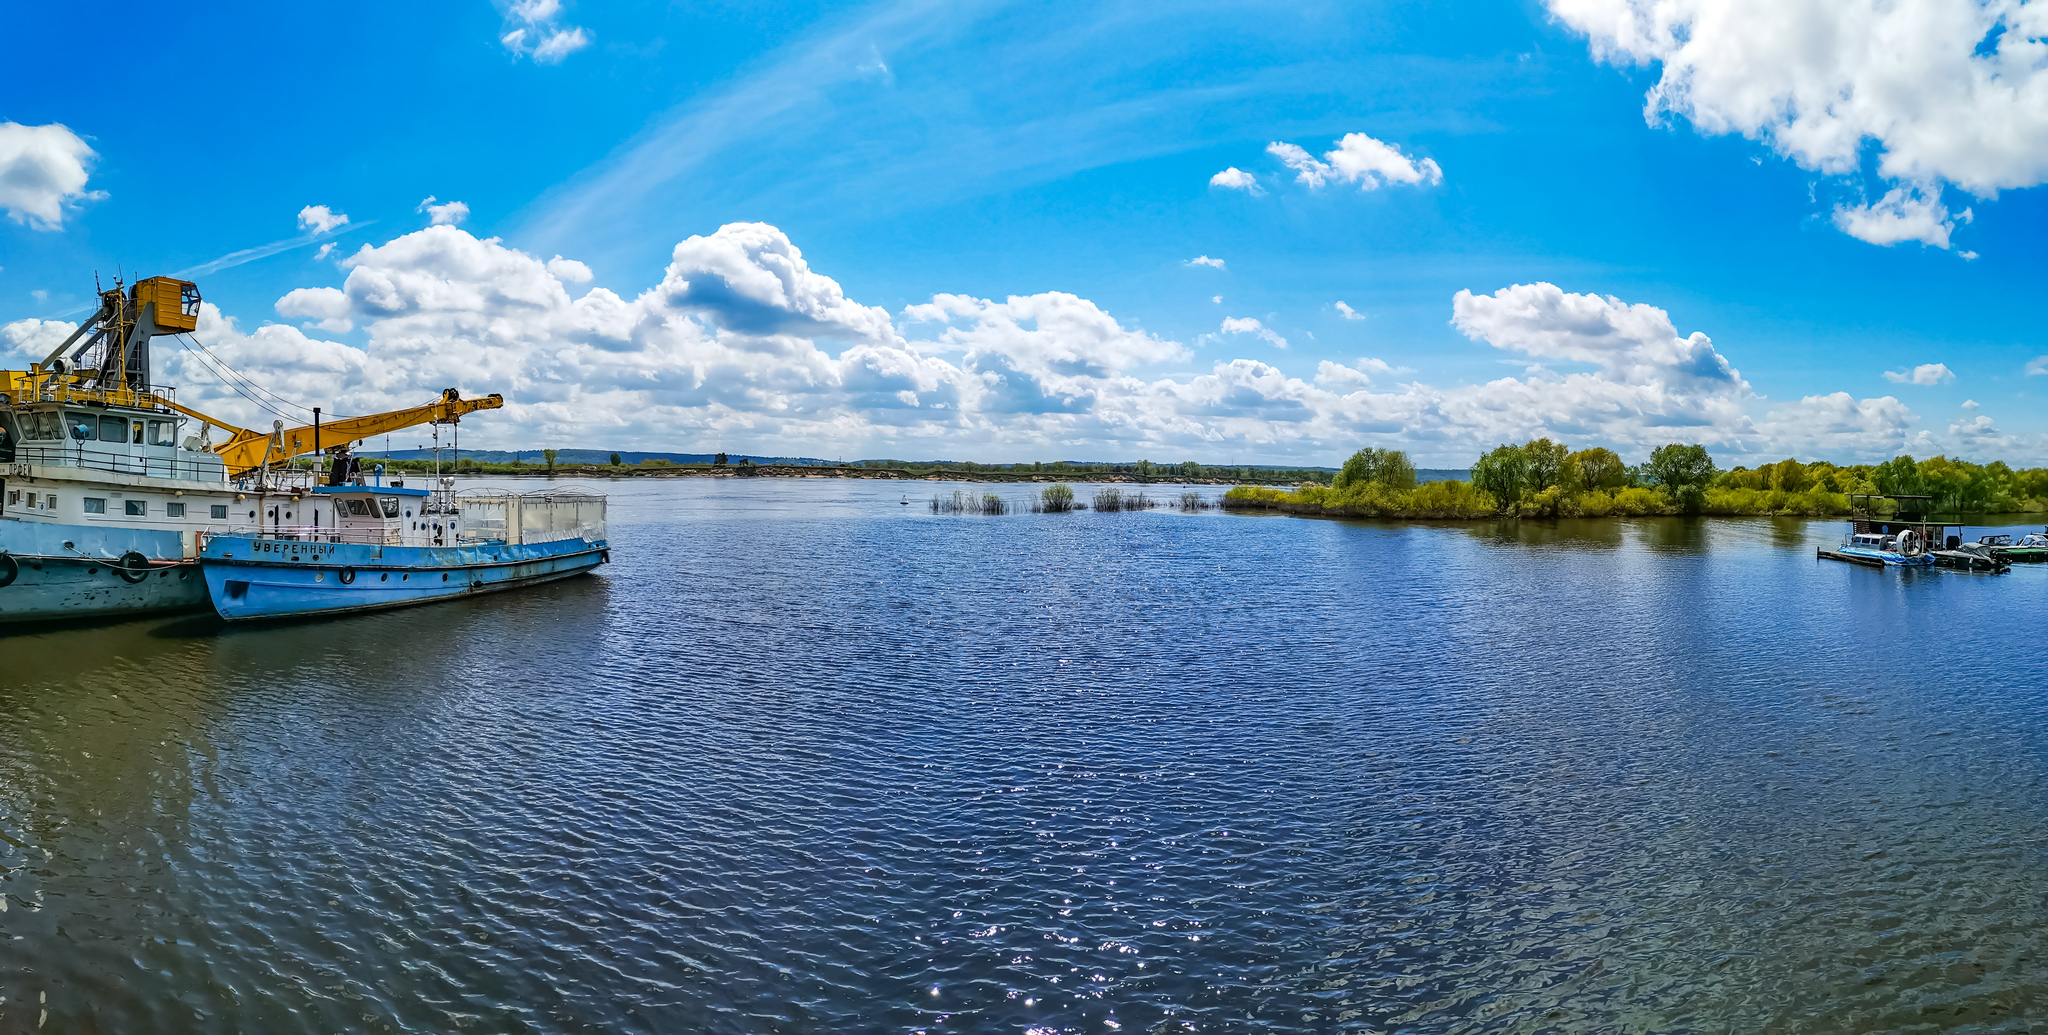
x: 9, y: 569
x: 345, y: 576
x: 133, y: 567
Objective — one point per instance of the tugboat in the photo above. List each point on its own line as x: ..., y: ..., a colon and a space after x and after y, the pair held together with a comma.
x: 384, y: 547
x: 103, y: 499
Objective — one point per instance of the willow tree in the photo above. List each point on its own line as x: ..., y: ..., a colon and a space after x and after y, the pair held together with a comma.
x: 1370, y: 466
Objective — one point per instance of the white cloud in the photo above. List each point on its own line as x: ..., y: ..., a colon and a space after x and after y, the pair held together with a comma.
x: 1901, y: 215
x: 1924, y: 374
x: 560, y: 44
x: 1234, y: 178
x: 324, y: 307
x: 1840, y: 427
x: 325, y: 251
x: 1969, y: 404
x: 740, y: 341
x: 1247, y: 325
x: 1218, y: 299
x: 34, y: 338
x: 1357, y: 159
x: 320, y: 220
x: 2037, y: 365
x: 39, y: 295
x: 1943, y: 91
x: 1349, y: 313
x: 536, y: 32
x: 569, y: 271
x: 1203, y: 260
x: 447, y: 214
x: 42, y: 172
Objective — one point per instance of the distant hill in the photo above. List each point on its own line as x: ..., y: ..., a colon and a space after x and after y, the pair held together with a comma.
x: 604, y: 456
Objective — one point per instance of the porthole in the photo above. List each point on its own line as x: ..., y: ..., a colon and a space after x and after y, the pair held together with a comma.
x: 444, y: 576
x: 319, y: 576
x: 384, y: 576
x: 92, y: 571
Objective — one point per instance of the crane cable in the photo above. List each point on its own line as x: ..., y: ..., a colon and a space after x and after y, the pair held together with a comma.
x: 236, y: 381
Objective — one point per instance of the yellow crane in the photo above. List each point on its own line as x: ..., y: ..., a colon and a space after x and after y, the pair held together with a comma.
x: 247, y: 450
x: 117, y: 373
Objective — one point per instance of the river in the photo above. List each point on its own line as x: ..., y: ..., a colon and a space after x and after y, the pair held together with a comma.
x: 804, y: 759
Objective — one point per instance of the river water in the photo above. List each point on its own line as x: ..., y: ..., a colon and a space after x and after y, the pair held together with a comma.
x: 803, y: 759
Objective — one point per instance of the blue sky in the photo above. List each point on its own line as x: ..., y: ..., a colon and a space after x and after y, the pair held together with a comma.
x: 1062, y: 156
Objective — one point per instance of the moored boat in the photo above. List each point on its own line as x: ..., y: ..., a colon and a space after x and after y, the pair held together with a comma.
x: 376, y: 547
x: 103, y: 496
x: 2030, y: 547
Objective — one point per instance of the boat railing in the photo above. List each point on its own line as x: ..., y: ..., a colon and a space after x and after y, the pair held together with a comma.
x: 322, y: 534
x: 208, y: 469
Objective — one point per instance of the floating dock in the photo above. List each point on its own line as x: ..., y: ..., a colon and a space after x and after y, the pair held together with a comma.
x: 1830, y: 555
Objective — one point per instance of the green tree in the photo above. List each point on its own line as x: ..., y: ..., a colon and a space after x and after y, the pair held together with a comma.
x: 549, y: 454
x: 1594, y: 468
x: 1503, y: 474
x: 1683, y: 471
x: 1374, y: 466
x: 1545, y: 460
x: 718, y: 461
x: 615, y: 459
x: 1899, y: 476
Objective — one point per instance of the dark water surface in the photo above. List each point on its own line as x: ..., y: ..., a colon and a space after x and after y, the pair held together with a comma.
x: 803, y: 759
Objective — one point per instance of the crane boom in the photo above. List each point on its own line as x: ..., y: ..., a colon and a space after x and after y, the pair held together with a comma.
x: 248, y: 450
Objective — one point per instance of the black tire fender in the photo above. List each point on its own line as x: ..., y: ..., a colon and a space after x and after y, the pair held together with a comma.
x: 10, y: 569
x: 133, y: 567
x: 345, y: 576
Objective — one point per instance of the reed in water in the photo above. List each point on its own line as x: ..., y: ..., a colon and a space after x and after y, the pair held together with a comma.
x: 1190, y: 502
x: 1113, y: 499
x: 968, y: 503
x: 1058, y: 498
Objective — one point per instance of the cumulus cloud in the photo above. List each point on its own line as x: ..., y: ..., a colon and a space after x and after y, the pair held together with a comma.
x: 1969, y: 404
x: 1349, y: 313
x: 1247, y: 325
x: 42, y: 173
x: 1944, y: 92
x: 1203, y: 260
x: 320, y: 220
x: 569, y: 271
x: 450, y: 213
x: 2037, y: 365
x: 1838, y: 426
x: 739, y: 340
x: 1924, y: 374
x: 1234, y: 178
x: 325, y: 251
x: 1901, y: 215
x: 534, y: 30
x: 1357, y: 159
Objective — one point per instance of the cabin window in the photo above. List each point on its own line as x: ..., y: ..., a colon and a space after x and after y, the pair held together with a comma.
x: 49, y: 502
x: 163, y: 433
x: 13, y: 497
x: 137, y: 433
x: 84, y: 427
x: 113, y: 429
x: 356, y: 508
x: 220, y: 512
x: 45, y: 424
x: 174, y: 510
x: 391, y: 506
x: 138, y: 508
x: 95, y: 505
x: 32, y: 501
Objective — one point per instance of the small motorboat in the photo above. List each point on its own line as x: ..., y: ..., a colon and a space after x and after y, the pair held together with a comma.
x: 1976, y: 556
x: 2031, y: 547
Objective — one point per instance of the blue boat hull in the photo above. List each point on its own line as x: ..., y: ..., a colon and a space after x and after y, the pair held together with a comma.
x: 51, y: 572
x: 1886, y: 556
x: 251, y: 579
